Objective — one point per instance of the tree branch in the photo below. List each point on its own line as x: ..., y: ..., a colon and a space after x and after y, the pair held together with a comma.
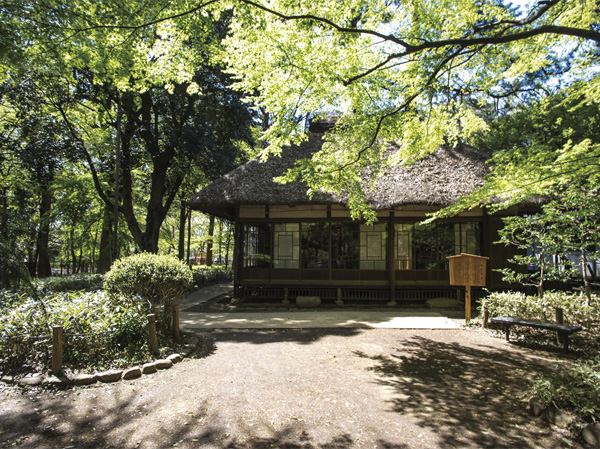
x: 88, y: 157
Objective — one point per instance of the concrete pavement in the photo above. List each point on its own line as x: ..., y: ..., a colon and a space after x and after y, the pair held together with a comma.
x: 290, y: 318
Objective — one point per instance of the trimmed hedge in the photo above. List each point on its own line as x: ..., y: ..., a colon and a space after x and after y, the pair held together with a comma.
x: 215, y: 274
x: 70, y: 283
x: 161, y: 280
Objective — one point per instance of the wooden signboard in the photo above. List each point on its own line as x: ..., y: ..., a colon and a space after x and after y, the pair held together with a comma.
x: 468, y: 270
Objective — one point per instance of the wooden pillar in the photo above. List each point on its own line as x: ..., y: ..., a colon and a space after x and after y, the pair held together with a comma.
x: 339, y: 301
x: 238, y: 239
x: 152, y: 339
x: 467, y: 303
x: 57, y: 350
x: 391, y: 255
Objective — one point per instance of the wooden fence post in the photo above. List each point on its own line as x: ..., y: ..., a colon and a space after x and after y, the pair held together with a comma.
x: 486, y: 315
x: 176, y: 321
x: 559, y: 320
x: 152, y: 340
x: 57, y: 350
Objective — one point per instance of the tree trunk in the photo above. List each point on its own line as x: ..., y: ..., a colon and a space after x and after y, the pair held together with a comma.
x: 104, y: 254
x: 43, y: 255
x: 586, y: 283
x: 182, y: 217
x: 209, y: 242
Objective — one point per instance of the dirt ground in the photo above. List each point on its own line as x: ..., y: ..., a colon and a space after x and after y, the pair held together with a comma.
x: 304, y: 389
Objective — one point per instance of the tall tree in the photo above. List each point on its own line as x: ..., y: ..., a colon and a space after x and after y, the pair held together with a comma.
x: 40, y: 147
x: 163, y: 136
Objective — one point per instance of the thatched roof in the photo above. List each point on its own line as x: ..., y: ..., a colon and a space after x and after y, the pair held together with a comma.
x: 439, y: 179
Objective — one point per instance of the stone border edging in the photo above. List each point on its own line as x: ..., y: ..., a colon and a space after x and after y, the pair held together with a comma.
x: 61, y: 381
x: 556, y: 416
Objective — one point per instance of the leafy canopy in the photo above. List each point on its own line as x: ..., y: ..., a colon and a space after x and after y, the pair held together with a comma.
x: 417, y: 72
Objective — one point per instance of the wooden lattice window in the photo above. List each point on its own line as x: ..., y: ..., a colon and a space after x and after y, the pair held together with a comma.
x: 286, y: 245
x: 373, y: 247
x: 257, y: 247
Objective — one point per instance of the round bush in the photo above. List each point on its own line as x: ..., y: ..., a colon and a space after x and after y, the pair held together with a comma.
x: 161, y: 280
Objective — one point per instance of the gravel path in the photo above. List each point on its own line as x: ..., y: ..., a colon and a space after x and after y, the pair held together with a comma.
x: 304, y: 389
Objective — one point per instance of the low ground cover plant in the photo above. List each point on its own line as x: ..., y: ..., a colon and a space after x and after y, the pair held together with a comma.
x: 575, y: 386
x: 100, y: 329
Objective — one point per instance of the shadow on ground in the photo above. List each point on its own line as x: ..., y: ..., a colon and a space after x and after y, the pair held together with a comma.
x: 264, y: 336
x: 53, y: 422
x: 469, y: 396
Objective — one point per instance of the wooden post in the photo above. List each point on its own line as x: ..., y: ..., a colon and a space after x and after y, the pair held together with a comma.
x: 286, y: 296
x: 467, y: 303
x: 339, y: 301
x: 176, y: 321
x: 152, y: 340
x: 559, y: 320
x: 486, y: 315
x: 57, y: 350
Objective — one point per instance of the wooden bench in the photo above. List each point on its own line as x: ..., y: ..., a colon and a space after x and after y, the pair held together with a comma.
x: 562, y: 330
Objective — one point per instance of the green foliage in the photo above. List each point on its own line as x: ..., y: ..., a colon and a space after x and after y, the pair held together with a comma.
x: 417, y: 72
x: 161, y: 280
x: 575, y: 387
x: 567, y: 226
x: 215, y: 274
x: 517, y: 304
x: 97, y: 327
x: 73, y: 282
x: 13, y: 272
x: 536, y: 237
x: 541, y: 147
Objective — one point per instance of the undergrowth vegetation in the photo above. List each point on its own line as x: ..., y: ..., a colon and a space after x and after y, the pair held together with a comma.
x: 102, y: 328
x: 70, y: 283
x: 215, y: 274
x: 98, y: 329
x: 575, y: 386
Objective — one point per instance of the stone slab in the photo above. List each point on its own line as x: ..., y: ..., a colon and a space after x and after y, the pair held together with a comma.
x: 308, y: 301
x: 163, y: 364
x: 31, y: 380
x: 149, y: 368
x: 56, y: 381
x: 175, y: 358
x: 84, y: 379
x: 109, y: 376
x: 132, y: 373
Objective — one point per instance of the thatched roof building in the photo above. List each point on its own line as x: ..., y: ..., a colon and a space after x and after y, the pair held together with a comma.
x: 439, y: 179
x: 288, y: 245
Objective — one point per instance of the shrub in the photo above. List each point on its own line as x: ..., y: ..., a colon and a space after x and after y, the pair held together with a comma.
x: 575, y: 312
x: 161, y: 280
x: 69, y: 283
x: 575, y: 387
x: 521, y: 305
x: 98, y: 327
